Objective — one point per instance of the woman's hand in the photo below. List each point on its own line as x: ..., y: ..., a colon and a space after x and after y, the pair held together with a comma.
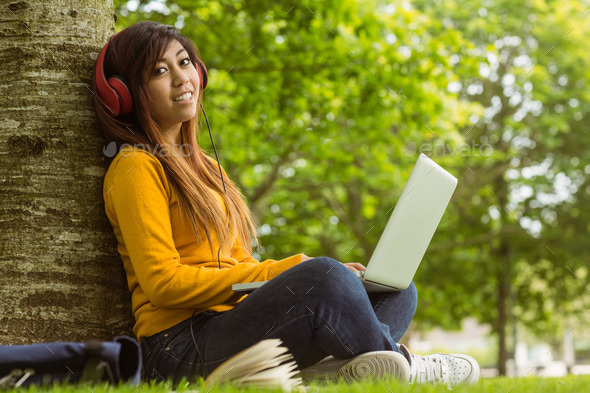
x: 354, y: 266
x: 305, y: 258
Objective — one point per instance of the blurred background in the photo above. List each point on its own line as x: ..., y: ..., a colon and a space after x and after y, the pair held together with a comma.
x: 319, y: 110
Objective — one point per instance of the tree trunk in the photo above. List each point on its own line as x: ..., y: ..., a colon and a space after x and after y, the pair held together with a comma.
x: 503, y: 289
x: 504, y: 271
x: 60, y: 275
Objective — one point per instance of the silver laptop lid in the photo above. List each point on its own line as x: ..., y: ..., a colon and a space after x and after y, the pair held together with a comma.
x: 412, y: 225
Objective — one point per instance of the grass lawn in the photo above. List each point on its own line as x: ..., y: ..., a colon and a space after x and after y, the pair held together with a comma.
x: 570, y: 384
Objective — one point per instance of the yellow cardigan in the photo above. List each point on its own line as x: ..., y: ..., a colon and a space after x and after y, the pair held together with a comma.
x: 169, y: 273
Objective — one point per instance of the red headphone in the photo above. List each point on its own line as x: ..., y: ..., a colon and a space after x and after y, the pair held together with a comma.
x: 115, y: 93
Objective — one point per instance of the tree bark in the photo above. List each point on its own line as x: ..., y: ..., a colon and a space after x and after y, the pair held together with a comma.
x: 61, y: 278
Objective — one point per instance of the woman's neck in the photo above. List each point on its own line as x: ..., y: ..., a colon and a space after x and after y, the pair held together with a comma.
x: 173, y: 136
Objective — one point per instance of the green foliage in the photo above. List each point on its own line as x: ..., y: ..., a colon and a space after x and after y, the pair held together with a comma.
x: 534, y: 87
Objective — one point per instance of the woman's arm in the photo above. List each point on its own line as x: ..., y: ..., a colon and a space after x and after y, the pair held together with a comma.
x: 138, y: 202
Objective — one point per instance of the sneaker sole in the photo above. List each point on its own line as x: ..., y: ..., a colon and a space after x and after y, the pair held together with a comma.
x: 370, y: 365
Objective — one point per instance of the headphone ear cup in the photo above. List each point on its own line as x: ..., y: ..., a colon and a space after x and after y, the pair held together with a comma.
x: 123, y: 93
x: 202, y: 73
x: 104, y: 90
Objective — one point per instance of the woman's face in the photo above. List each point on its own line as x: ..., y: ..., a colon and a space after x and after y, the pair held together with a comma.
x: 173, y: 86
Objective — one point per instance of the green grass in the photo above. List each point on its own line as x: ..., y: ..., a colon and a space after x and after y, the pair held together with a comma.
x: 570, y: 384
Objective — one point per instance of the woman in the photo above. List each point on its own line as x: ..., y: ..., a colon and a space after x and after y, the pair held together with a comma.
x: 183, y: 230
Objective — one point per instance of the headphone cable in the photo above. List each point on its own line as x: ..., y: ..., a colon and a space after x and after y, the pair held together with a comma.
x: 220, y: 173
x: 214, y: 149
x: 218, y: 251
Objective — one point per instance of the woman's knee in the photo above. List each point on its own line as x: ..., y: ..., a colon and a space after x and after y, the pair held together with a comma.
x: 331, y: 277
x: 325, y: 267
x: 411, y: 296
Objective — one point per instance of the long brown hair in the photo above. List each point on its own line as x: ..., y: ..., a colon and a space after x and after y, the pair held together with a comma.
x: 130, y: 53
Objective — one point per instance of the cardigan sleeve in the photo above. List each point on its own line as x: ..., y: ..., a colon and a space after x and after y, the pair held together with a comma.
x: 140, y: 203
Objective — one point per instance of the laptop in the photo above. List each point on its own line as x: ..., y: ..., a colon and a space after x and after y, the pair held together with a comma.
x: 408, y: 232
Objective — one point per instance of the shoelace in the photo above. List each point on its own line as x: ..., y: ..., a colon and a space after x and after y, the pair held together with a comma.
x: 431, y: 368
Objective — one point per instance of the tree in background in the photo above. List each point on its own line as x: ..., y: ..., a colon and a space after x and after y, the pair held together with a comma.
x: 518, y: 211
x: 60, y: 276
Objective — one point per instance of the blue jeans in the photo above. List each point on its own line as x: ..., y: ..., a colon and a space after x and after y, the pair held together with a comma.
x: 317, y: 308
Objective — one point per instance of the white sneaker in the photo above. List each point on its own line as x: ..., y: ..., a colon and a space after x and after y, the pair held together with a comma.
x: 452, y: 369
x: 372, y: 365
